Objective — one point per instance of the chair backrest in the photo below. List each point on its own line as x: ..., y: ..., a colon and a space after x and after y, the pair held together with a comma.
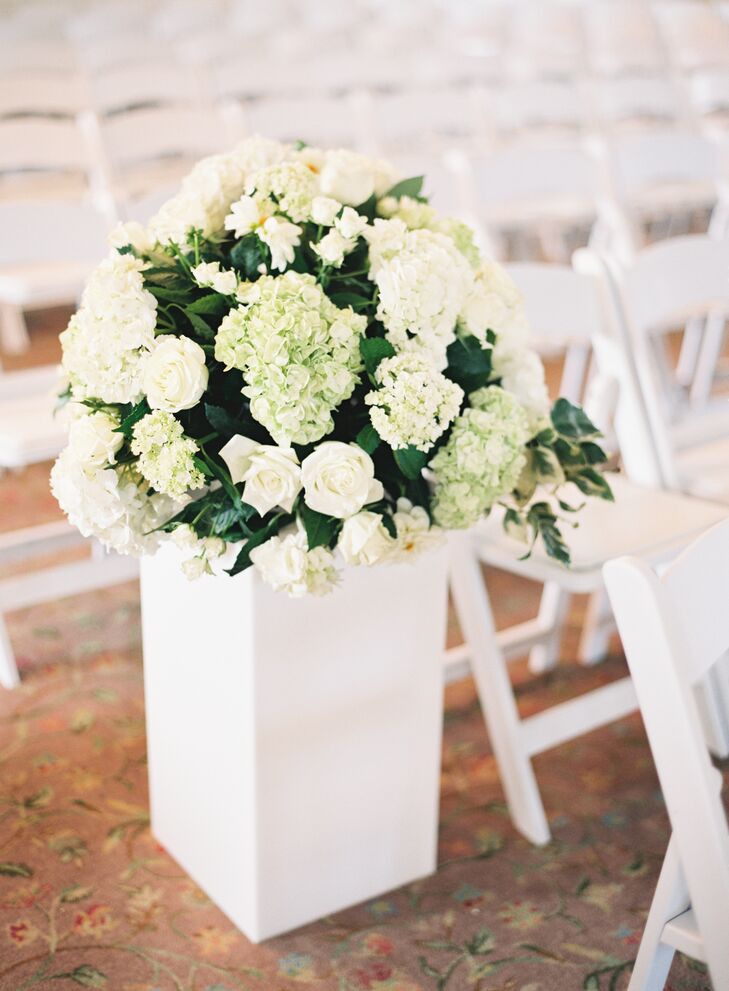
x: 623, y: 36
x: 636, y: 100
x: 525, y: 183
x: 674, y: 628
x: 125, y: 87
x: 413, y: 117
x: 317, y: 120
x: 151, y: 134
x: 540, y: 104
x: 46, y: 231
x: 40, y: 93
x: 660, y: 290
x: 36, y: 145
x: 641, y: 162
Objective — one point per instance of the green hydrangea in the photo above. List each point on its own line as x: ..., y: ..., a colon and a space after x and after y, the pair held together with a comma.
x: 482, y: 460
x: 299, y: 354
x: 292, y: 186
x: 166, y: 455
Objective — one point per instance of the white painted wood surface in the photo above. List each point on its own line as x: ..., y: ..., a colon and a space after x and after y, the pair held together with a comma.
x: 294, y: 745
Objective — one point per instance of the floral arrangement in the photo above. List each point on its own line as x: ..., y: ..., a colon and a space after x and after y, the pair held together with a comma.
x: 299, y: 361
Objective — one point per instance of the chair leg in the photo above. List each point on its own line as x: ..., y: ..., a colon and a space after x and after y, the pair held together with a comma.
x: 552, y: 610
x: 707, y: 359
x: 689, y: 353
x: 495, y: 693
x: 670, y: 899
x: 596, y: 629
x: 9, y: 676
x: 13, y: 332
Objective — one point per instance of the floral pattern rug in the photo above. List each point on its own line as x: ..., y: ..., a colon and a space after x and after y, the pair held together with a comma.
x: 89, y: 899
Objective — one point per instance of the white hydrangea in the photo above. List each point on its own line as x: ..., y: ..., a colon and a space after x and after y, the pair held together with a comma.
x: 112, y: 504
x: 299, y: 354
x: 415, y: 534
x: 423, y: 282
x: 166, y: 455
x: 415, y: 402
x: 494, y: 303
x: 417, y: 215
x: 292, y: 185
x: 482, y: 460
x: 210, y: 188
x: 286, y: 564
x: 110, y: 335
x: 210, y: 275
x: 522, y: 374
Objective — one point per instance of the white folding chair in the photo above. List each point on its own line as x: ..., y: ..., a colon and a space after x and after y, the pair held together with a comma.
x: 41, y: 54
x: 126, y: 87
x: 149, y: 147
x: 551, y: 192
x: 623, y: 38
x: 538, y: 110
x: 48, y: 250
x: 563, y: 306
x: 43, y: 157
x: 674, y: 627
x: 666, y: 287
x: 41, y: 93
x: 546, y: 39
x: 695, y: 33
x: 326, y: 121
x: 637, y: 103
x: 422, y: 120
x: 662, y: 177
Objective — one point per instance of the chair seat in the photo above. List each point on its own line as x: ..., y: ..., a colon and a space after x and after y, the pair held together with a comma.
x: 683, y: 934
x: 704, y: 470
x: 40, y: 284
x: 646, y: 522
x: 29, y: 432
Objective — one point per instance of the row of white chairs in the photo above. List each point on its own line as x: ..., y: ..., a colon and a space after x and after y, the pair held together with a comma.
x: 528, y: 38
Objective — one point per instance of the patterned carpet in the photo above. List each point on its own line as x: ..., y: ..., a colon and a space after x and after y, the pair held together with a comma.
x: 89, y: 899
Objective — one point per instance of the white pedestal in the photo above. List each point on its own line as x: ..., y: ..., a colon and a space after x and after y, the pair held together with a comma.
x: 294, y: 745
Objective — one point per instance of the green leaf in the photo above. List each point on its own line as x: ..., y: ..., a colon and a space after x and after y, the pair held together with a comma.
x: 469, y: 364
x: 214, y: 303
x: 373, y: 351
x: 10, y: 869
x: 410, y: 461
x: 572, y: 421
x: 546, y: 466
x: 407, y: 187
x: 167, y: 295
x: 321, y: 530
x: 353, y: 299
x: 368, y: 438
x: 201, y: 327
x: 515, y: 526
x: 592, y: 483
x: 544, y: 523
x: 594, y: 454
x: 222, y: 421
x: 482, y: 943
x: 136, y: 413
x: 247, y: 254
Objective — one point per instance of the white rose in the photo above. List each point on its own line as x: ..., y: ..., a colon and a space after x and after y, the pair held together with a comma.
x: 271, y: 474
x: 351, y: 224
x: 175, y: 376
x: 324, y: 210
x: 131, y: 233
x: 347, y: 177
x: 94, y: 439
x: 339, y: 479
x: 333, y: 247
x: 185, y: 538
x: 210, y: 274
x: 364, y: 540
x: 194, y: 568
x: 286, y: 564
x: 273, y: 478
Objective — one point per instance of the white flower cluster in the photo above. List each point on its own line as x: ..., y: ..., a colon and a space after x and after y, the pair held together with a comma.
x: 166, y: 455
x: 299, y: 354
x: 422, y: 280
x: 202, y: 555
x: 365, y: 541
x: 109, y: 337
x: 287, y: 565
x: 482, y: 460
x: 110, y: 503
x: 207, y: 192
x: 415, y: 402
